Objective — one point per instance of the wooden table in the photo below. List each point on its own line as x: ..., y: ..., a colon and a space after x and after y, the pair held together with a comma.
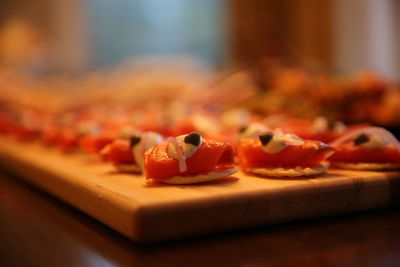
x: 38, y: 230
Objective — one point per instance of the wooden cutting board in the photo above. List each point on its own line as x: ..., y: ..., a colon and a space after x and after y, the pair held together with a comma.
x: 157, y: 213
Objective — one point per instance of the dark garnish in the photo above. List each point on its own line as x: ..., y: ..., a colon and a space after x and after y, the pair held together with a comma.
x: 266, y: 138
x: 242, y: 129
x: 134, y: 140
x: 193, y: 138
x: 362, y: 138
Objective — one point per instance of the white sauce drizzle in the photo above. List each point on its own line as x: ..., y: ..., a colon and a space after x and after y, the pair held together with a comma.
x: 174, y: 150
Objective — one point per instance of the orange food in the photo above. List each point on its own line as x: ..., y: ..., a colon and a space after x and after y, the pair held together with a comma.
x: 310, y: 154
x: 118, y: 152
x: 357, y: 154
x: 94, y: 143
x: 211, y: 156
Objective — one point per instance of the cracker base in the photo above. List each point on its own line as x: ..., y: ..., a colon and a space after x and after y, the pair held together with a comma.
x: 289, y: 172
x: 194, y: 179
x: 367, y: 166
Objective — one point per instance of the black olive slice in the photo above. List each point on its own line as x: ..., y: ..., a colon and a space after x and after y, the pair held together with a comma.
x: 362, y: 138
x: 134, y: 140
x: 193, y: 138
x: 266, y: 138
x: 242, y: 129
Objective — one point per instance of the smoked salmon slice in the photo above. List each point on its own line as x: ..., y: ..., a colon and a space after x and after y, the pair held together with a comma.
x: 211, y: 156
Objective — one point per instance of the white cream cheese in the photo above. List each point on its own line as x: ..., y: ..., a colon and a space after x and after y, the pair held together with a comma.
x: 188, y: 149
x: 374, y: 141
x: 147, y: 140
x: 280, y: 141
x: 184, y: 147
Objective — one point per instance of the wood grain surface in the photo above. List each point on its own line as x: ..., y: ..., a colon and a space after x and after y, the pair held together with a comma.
x: 162, y: 212
x: 38, y: 230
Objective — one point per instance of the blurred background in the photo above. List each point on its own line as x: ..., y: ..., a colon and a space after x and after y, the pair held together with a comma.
x: 336, y: 58
x: 340, y: 36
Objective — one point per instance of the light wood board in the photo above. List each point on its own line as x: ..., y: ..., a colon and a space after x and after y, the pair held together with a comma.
x: 162, y: 212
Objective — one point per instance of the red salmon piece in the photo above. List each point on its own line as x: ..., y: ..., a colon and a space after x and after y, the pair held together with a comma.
x: 310, y: 154
x: 94, y: 143
x: 357, y: 154
x: 118, y: 152
x: 211, y: 156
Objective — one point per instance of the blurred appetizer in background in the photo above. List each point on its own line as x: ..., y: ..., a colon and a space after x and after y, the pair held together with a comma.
x: 187, y: 125
x: 127, y: 154
x: 367, y: 148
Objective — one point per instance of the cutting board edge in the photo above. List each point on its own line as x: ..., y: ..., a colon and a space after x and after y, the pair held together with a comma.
x: 374, y: 195
x: 122, y: 217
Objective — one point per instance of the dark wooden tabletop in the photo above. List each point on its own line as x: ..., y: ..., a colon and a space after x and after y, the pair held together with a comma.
x: 39, y: 230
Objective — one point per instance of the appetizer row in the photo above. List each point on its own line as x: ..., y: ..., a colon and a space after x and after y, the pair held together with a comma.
x: 206, y: 146
x: 191, y: 158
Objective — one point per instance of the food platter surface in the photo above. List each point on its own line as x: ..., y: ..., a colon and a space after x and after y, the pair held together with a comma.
x: 156, y: 212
